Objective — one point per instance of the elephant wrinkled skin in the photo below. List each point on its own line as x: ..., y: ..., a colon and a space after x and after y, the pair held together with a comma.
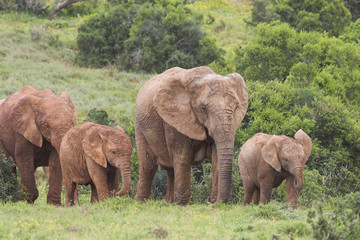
x: 266, y: 160
x: 32, y: 125
x: 93, y: 154
x: 181, y: 118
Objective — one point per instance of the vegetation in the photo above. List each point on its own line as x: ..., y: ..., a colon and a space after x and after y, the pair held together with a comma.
x: 296, y: 78
x: 9, y: 186
x: 330, y: 16
x: 150, y: 38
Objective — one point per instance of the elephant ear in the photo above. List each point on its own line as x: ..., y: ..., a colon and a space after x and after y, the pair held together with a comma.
x: 172, y: 102
x: 93, y: 146
x: 242, y: 94
x: 270, y: 152
x: 22, y: 119
x: 305, y: 141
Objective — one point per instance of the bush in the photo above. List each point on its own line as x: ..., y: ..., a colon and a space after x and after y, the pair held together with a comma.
x: 101, y: 38
x: 9, y: 186
x: 341, y: 222
x: 151, y: 37
x: 305, y: 59
x: 100, y: 117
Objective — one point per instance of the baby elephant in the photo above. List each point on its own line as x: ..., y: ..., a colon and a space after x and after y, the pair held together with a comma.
x: 266, y: 160
x: 93, y: 154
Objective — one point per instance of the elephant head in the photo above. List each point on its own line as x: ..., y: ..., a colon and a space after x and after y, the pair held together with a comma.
x: 105, y: 145
x: 202, y: 104
x: 44, y: 116
x: 289, y: 154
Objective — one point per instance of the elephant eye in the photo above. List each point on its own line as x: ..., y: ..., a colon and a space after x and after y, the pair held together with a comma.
x: 113, y: 152
x: 203, y: 109
x: 46, y: 125
x: 286, y: 160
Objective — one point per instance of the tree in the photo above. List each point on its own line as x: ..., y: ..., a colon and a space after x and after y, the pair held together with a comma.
x: 311, y: 15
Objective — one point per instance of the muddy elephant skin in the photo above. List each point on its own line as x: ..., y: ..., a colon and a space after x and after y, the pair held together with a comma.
x: 266, y: 160
x: 32, y: 125
x: 95, y: 154
x: 183, y: 117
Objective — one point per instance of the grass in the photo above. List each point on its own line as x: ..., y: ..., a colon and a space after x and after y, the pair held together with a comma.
x: 31, y: 54
x: 225, y: 21
x: 123, y: 218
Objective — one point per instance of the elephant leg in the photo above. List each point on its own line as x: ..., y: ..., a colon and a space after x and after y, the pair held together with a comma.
x: 98, y: 176
x: 291, y: 192
x: 170, y: 185
x: 55, y: 179
x: 265, y: 192
x: 94, y: 195
x: 148, y: 167
x: 70, y: 188
x: 24, y: 159
x: 249, y: 191
x: 182, y: 182
x: 256, y: 196
x: 214, y: 176
x: 113, y: 181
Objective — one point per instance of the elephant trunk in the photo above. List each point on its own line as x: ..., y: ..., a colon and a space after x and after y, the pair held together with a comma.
x: 224, y: 142
x: 57, y: 137
x: 126, y: 180
x: 299, y: 179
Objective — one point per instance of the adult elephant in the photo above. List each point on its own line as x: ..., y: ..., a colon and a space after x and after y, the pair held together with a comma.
x: 32, y: 125
x: 181, y: 118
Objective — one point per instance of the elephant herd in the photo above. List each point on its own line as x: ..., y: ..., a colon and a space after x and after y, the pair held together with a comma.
x: 182, y: 117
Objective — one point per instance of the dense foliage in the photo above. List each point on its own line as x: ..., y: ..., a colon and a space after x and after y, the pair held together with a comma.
x: 151, y: 37
x: 304, y: 59
x: 9, y: 186
x: 315, y: 15
x: 101, y: 39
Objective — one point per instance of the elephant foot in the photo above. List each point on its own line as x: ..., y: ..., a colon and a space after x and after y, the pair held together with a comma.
x: 211, y: 200
x: 140, y: 198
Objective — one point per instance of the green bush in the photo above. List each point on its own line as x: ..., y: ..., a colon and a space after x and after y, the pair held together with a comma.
x: 100, y: 117
x: 101, y: 38
x: 10, y: 190
x: 305, y: 59
x: 151, y: 37
x: 341, y: 221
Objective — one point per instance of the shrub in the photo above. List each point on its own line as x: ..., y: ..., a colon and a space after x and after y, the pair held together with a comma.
x: 305, y: 59
x: 101, y: 38
x: 9, y: 186
x: 342, y: 222
x: 151, y: 37
x: 99, y: 116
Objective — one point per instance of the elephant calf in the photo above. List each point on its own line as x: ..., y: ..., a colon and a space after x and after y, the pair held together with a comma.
x: 266, y: 160
x: 93, y: 154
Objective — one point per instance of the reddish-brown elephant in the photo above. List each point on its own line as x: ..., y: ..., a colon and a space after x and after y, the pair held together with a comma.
x: 32, y: 125
x: 93, y: 154
x: 182, y: 117
x: 266, y: 160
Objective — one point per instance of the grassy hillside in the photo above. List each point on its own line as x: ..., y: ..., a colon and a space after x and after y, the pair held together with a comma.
x: 38, y: 52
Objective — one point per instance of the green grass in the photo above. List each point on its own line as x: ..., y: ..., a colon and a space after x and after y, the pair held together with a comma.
x: 123, y: 218
x: 228, y: 27
x: 31, y: 54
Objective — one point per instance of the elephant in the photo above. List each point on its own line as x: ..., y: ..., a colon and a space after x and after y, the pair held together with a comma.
x: 93, y: 154
x: 32, y: 125
x: 182, y: 117
x: 266, y: 160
